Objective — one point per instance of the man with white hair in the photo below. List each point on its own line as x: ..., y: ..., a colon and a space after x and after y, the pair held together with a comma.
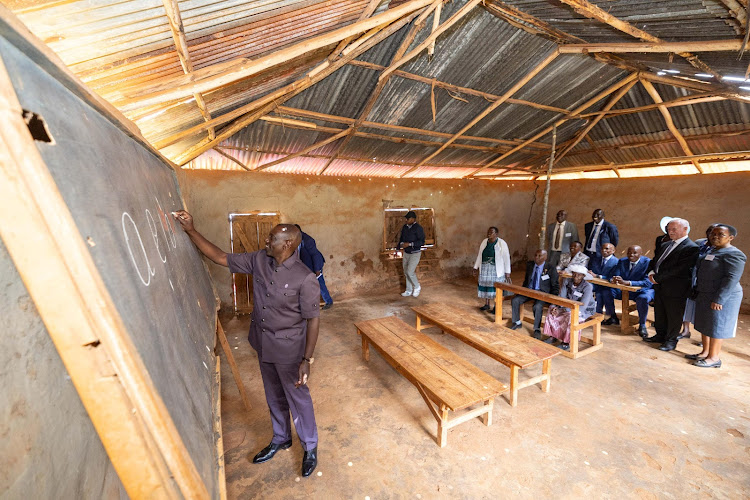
x: 671, y: 275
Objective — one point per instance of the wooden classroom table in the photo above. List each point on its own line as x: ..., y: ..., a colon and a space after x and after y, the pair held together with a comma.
x: 625, y: 325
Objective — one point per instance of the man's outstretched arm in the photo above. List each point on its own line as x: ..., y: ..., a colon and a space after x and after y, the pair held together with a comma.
x: 207, y: 248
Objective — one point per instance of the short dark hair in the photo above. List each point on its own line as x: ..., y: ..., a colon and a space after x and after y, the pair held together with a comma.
x: 493, y: 228
x: 732, y: 230
x: 576, y: 242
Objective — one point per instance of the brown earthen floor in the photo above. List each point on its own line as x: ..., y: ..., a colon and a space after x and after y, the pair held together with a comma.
x: 628, y: 421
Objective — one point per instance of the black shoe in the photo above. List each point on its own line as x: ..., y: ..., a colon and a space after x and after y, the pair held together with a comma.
x: 653, y: 340
x: 685, y: 336
x: 537, y: 334
x: 484, y: 307
x: 515, y: 326
x: 694, y: 357
x: 611, y: 321
x: 492, y: 311
x: 642, y: 331
x: 564, y: 346
x: 550, y: 340
x: 668, y: 346
x: 327, y: 306
x: 309, y: 462
x: 269, y: 451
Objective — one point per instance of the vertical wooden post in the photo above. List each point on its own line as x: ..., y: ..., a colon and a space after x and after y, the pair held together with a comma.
x: 232, y: 364
x: 625, y: 322
x: 487, y: 417
x: 514, y: 385
x: 543, y: 232
x: 547, y: 370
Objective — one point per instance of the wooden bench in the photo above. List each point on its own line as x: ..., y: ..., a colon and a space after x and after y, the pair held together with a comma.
x: 575, y: 327
x: 513, y: 349
x: 626, y: 323
x: 442, y: 378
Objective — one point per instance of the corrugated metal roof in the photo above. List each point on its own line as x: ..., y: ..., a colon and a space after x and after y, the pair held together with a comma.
x: 122, y: 47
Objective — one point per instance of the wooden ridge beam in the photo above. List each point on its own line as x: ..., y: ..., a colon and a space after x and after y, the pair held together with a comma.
x: 183, y: 52
x: 303, y: 113
x: 591, y: 11
x: 456, y: 88
x: 598, y: 97
x: 670, y: 122
x: 217, y: 75
x: 312, y: 147
x: 460, y: 14
x: 698, y: 86
x: 591, y: 124
x: 261, y: 107
x: 418, y: 25
x: 515, y: 88
x: 654, y: 47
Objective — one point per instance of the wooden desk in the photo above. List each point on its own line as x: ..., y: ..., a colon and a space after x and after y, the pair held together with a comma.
x: 595, y: 322
x: 626, y: 326
x: 514, y: 349
x: 442, y: 378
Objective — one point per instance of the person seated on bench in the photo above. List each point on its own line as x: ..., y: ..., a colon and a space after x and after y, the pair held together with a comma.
x: 576, y: 256
x: 632, y: 271
x: 604, y: 268
x: 542, y: 276
x: 557, y: 324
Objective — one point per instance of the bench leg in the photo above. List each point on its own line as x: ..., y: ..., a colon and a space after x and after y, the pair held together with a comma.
x: 487, y: 417
x: 597, y: 333
x: 499, y: 305
x: 443, y: 427
x: 625, y: 323
x: 365, y: 348
x: 546, y: 370
x: 419, y: 323
x: 513, y: 385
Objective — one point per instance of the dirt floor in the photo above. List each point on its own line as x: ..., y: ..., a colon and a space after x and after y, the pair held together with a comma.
x: 627, y: 421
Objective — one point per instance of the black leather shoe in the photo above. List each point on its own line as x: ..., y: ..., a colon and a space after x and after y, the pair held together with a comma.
x: 492, y: 311
x: 653, y: 340
x: 309, y: 462
x: 694, y: 357
x: 537, y: 334
x: 269, y: 451
x: 681, y: 336
x: 611, y: 321
x: 668, y: 346
x: 515, y: 326
x: 484, y: 307
x: 642, y: 331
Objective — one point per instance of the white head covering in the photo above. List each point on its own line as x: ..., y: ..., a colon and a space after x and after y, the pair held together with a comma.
x: 578, y: 268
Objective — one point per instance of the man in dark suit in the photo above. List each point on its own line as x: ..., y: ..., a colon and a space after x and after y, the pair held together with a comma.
x: 560, y: 235
x: 598, y: 232
x: 632, y: 271
x: 542, y: 276
x: 604, y: 268
x: 671, y: 276
x: 314, y: 260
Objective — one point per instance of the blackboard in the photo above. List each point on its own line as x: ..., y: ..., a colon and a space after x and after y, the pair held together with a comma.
x: 119, y: 194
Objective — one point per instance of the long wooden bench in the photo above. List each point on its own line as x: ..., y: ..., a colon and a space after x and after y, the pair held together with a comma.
x: 443, y: 379
x: 626, y: 323
x: 575, y: 327
x: 513, y: 349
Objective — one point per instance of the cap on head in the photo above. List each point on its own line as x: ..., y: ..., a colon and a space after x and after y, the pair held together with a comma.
x: 663, y: 223
x: 410, y: 215
x: 577, y: 268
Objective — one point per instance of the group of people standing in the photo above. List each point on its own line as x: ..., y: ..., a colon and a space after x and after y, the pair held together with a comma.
x: 687, y: 282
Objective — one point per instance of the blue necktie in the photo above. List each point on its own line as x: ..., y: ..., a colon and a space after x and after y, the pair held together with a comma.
x: 534, y: 279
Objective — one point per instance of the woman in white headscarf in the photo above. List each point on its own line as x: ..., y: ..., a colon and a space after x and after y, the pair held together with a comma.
x: 493, y: 263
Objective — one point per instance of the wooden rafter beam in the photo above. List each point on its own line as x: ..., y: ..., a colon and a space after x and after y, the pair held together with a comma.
x: 370, y: 8
x: 687, y: 100
x: 592, y: 123
x: 501, y: 143
x: 231, y: 158
x: 418, y: 25
x: 312, y: 147
x: 737, y: 11
x: 456, y: 88
x: 183, y: 53
x: 598, y: 97
x: 670, y: 122
x: 515, y: 88
x: 592, y: 11
x: 261, y: 107
x: 218, y: 75
x: 460, y: 14
x: 654, y: 47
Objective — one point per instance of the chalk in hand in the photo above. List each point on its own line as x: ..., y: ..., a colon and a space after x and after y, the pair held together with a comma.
x: 180, y: 216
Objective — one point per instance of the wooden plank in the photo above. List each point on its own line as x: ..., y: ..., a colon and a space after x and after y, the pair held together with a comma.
x: 501, y: 344
x: 536, y: 294
x: 599, y: 281
x: 445, y: 377
x: 232, y: 364
x: 654, y: 47
x: 306, y: 150
x: 218, y: 430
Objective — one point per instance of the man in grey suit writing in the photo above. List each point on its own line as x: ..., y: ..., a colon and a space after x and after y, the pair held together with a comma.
x: 560, y: 235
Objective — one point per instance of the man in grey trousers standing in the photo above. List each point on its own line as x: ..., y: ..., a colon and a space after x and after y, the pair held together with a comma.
x: 411, y: 242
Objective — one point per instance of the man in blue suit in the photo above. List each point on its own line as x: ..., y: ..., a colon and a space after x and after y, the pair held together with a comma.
x: 313, y: 259
x: 604, y: 268
x: 598, y: 232
x: 633, y: 271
